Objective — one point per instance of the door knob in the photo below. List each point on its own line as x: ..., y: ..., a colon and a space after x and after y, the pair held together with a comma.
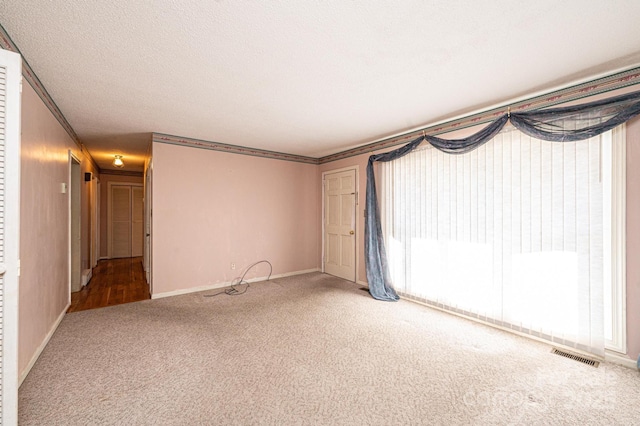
x: 351, y: 232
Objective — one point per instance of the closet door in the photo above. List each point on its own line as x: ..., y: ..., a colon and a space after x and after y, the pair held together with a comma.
x: 126, y: 220
x: 121, y: 221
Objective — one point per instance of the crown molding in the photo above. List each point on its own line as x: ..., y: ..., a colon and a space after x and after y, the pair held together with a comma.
x: 233, y: 149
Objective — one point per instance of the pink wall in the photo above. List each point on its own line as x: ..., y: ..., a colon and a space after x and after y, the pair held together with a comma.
x: 105, y: 178
x: 211, y: 209
x: 44, y: 290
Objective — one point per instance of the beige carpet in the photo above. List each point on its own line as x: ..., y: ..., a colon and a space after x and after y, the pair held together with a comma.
x: 310, y: 349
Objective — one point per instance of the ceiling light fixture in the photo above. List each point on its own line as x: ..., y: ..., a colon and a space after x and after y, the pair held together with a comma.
x: 118, y: 161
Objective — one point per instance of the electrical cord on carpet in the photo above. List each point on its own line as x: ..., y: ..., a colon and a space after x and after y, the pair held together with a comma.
x: 233, y: 290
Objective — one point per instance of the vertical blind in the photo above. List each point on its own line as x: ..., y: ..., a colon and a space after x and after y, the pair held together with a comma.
x: 510, y: 233
x: 3, y: 94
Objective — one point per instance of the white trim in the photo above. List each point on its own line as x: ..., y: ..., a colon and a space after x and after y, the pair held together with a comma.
x: 366, y: 284
x: 227, y: 284
x: 99, y: 222
x: 104, y: 258
x: 44, y: 343
x: 619, y: 359
x: 12, y: 63
x: 94, y: 234
x: 148, y: 224
x: 322, y: 225
x: 86, y: 276
x: 72, y: 158
x: 109, y: 186
x: 619, y: 239
x: 614, y: 189
x: 356, y: 169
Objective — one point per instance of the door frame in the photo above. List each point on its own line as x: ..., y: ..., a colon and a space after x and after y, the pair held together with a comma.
x: 148, y: 225
x: 10, y: 270
x: 109, y: 186
x: 95, y: 221
x: 356, y: 169
x: 72, y: 158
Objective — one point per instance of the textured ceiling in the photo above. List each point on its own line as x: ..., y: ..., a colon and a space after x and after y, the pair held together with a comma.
x: 304, y: 77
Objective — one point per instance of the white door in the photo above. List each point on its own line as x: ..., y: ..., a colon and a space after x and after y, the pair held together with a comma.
x: 10, y: 87
x: 339, y: 224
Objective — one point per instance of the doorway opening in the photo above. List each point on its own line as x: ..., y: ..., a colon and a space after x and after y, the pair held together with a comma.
x: 75, y: 225
x: 119, y: 278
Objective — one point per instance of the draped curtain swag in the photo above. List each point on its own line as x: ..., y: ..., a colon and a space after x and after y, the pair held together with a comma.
x: 563, y: 124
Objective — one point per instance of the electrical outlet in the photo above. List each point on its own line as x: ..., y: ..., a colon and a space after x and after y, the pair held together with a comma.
x: 233, y: 265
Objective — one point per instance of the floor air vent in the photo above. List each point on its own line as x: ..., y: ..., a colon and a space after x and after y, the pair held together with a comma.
x: 575, y: 357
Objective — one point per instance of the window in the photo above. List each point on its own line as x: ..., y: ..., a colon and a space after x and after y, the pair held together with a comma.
x: 519, y: 232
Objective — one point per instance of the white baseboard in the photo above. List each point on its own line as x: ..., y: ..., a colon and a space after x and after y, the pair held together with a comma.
x: 86, y: 276
x: 620, y: 359
x: 104, y: 258
x: 363, y: 283
x: 226, y: 284
x: 36, y: 355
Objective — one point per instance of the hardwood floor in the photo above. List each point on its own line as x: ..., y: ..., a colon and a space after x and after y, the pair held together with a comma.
x: 114, y: 282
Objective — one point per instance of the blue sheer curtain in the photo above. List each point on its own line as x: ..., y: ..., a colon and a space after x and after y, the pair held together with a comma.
x: 579, y: 120
x: 561, y: 124
x: 375, y: 253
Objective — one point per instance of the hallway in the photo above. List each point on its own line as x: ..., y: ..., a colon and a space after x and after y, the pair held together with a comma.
x: 114, y: 282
